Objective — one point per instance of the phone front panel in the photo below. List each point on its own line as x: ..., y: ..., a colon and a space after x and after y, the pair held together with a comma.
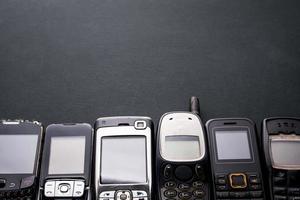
x: 123, y: 159
x: 235, y: 159
x: 66, y: 164
x: 181, y: 162
x: 282, y: 147
x: 20, y: 145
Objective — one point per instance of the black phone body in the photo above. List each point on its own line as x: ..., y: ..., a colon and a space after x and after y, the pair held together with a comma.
x: 123, y: 158
x: 235, y: 161
x: 182, y: 165
x: 281, y: 142
x: 66, y: 163
x: 20, y: 148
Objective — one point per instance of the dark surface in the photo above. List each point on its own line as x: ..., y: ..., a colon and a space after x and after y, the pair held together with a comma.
x: 75, y: 61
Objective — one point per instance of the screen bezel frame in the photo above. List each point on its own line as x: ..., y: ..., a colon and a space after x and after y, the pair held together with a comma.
x: 232, y: 128
x: 61, y: 130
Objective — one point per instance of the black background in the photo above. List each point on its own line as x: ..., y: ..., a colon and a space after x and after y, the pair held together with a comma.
x: 75, y: 61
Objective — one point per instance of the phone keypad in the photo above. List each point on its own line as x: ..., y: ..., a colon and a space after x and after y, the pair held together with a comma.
x: 286, y: 185
x: 183, y: 182
x: 238, y: 186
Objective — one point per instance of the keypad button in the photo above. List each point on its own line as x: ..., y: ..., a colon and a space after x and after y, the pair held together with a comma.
x: 221, y: 179
x: 222, y: 195
x: 294, y: 191
x: 168, y: 171
x: 279, y: 181
x: 280, y: 197
x: 170, y: 184
x: 294, y: 198
x: 184, y: 186
x: 185, y: 195
x: 238, y: 180
x: 27, y: 182
x: 107, y: 194
x: 139, y: 193
x: 199, y: 193
x: 170, y: 193
x: 254, y: 179
x: 198, y: 184
x: 256, y: 194
x: 2, y: 183
x: 183, y: 173
x: 238, y: 194
x: 279, y: 190
x: 221, y: 187
x: 49, y: 188
x: 280, y: 174
x: 78, y: 188
x: 255, y: 187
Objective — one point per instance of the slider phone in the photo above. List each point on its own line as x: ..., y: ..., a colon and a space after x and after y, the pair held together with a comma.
x: 66, y: 162
x: 235, y: 162
x: 281, y: 141
x: 123, y: 158
x: 20, y: 146
x: 181, y: 156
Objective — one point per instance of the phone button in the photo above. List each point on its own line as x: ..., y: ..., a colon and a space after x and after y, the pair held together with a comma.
x: 168, y: 171
x: 27, y: 182
x: 185, y: 195
x: 170, y: 184
x: 170, y: 193
x: 184, y: 186
x: 183, y: 173
x: 2, y: 183
x: 107, y: 194
x: 139, y: 193
x: 78, y: 188
x: 49, y: 188
x: 238, y: 180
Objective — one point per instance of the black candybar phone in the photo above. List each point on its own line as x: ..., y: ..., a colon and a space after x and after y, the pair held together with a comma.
x: 234, y: 157
x: 20, y: 147
x: 123, y: 158
x: 182, y: 165
x: 281, y: 141
x: 67, y: 161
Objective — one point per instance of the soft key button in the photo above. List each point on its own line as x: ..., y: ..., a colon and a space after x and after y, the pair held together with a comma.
x: 64, y: 188
x: 139, y: 193
x: 78, y: 188
x: 49, y: 189
x: 107, y: 194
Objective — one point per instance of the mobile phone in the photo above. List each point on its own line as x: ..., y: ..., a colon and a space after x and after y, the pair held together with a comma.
x: 182, y: 164
x: 67, y: 161
x: 235, y: 160
x: 281, y: 142
x: 123, y: 158
x: 20, y: 147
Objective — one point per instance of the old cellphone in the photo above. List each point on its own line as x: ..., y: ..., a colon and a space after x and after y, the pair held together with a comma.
x: 182, y: 166
x: 281, y: 142
x: 20, y: 147
x: 235, y: 160
x: 123, y: 158
x: 67, y: 161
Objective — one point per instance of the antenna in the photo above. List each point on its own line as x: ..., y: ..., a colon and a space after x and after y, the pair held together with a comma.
x: 194, y: 105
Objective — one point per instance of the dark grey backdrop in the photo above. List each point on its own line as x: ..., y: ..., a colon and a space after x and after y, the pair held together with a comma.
x: 74, y: 61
